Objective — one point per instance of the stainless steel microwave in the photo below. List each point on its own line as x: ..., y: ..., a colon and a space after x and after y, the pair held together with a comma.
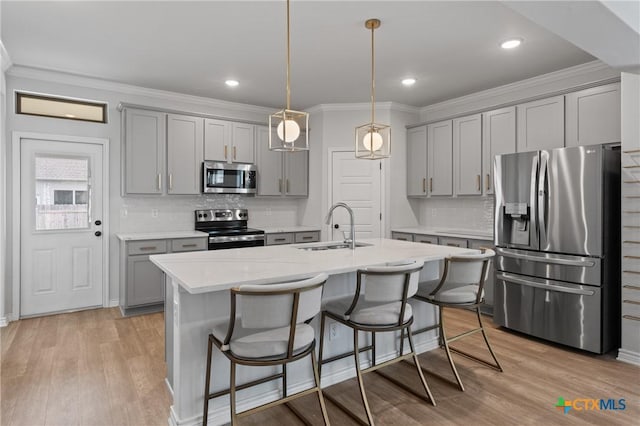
x: 224, y: 178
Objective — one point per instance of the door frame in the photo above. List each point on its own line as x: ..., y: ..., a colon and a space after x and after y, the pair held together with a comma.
x: 17, y: 138
x: 383, y: 204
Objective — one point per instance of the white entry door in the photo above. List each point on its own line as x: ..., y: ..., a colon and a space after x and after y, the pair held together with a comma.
x: 61, y: 209
x: 358, y: 183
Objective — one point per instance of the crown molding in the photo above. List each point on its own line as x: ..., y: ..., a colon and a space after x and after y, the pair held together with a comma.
x: 5, y: 59
x: 100, y: 84
x: 364, y: 106
x: 533, y: 82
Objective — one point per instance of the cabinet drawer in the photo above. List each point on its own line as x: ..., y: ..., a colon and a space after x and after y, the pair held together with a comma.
x: 307, y: 237
x: 147, y: 247
x: 276, y: 239
x: 428, y: 239
x: 453, y: 242
x: 189, y: 244
x: 402, y: 236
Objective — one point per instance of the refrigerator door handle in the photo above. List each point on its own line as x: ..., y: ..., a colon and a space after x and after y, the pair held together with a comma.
x: 543, y: 197
x: 566, y: 262
x: 533, y: 223
x: 549, y: 287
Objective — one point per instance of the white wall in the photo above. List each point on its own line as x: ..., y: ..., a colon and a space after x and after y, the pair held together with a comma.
x: 133, y: 214
x: 5, y: 62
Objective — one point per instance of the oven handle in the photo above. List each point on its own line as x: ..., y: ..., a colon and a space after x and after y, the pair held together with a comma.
x: 557, y: 288
x: 236, y: 238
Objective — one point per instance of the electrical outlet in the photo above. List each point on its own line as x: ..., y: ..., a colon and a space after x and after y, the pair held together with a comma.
x: 154, y: 212
x: 333, y: 331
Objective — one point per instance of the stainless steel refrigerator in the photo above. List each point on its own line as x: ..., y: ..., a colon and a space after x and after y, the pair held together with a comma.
x: 557, y: 237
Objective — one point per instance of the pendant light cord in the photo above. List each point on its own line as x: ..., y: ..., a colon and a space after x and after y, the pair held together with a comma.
x: 373, y: 80
x: 288, y: 59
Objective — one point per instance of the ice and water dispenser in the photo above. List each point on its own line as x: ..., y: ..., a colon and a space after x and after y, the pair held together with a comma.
x: 516, y: 220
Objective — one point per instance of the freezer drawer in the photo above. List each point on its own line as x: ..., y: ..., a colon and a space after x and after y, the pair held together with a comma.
x: 561, y: 312
x: 560, y: 267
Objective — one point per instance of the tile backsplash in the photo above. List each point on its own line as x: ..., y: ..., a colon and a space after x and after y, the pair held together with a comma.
x: 175, y: 213
x: 458, y: 213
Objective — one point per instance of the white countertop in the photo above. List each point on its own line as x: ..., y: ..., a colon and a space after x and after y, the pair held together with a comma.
x: 290, y: 229
x: 456, y: 233
x: 161, y: 235
x: 214, y: 270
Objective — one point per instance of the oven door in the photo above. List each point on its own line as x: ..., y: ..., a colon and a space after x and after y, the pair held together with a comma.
x: 235, y: 241
x: 223, y: 178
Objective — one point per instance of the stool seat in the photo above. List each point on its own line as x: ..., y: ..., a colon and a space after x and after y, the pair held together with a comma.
x: 251, y: 343
x: 369, y: 313
x: 459, y: 295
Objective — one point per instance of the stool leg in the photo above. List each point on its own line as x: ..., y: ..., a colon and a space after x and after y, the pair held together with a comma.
x: 316, y: 378
x: 418, y: 367
x: 486, y: 339
x: 232, y: 394
x: 446, y: 348
x: 373, y: 348
x: 401, y: 341
x: 284, y: 380
x: 322, y: 320
x: 363, y: 395
x: 207, y: 383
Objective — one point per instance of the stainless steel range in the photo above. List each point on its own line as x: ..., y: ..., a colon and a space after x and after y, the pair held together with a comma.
x: 227, y: 228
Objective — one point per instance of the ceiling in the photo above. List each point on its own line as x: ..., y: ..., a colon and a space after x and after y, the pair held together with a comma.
x: 451, y: 48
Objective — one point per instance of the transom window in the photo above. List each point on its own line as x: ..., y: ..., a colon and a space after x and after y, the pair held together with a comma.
x: 55, y: 107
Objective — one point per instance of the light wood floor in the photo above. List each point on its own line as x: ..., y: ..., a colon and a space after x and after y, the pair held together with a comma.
x: 97, y: 368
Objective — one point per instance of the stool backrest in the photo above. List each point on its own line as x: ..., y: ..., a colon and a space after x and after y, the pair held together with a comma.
x: 462, y: 270
x: 274, y: 305
x: 387, y: 283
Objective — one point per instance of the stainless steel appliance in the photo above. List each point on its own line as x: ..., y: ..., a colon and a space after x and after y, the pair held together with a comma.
x: 557, y: 233
x: 224, y: 178
x: 227, y: 228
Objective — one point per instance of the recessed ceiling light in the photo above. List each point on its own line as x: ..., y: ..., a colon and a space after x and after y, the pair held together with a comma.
x: 511, y: 43
x: 408, y: 81
x: 232, y: 83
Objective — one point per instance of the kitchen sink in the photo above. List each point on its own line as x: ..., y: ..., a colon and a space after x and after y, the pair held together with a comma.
x: 330, y: 246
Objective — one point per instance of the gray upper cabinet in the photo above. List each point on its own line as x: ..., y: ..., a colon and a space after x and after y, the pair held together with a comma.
x: 593, y: 115
x: 541, y: 124
x: 467, y: 155
x: 280, y: 173
x: 498, y: 137
x: 229, y: 142
x: 144, y: 151
x: 184, y: 153
x: 417, y: 162
x: 440, y: 158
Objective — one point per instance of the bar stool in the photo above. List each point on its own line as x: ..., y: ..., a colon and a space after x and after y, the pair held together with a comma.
x: 462, y: 287
x: 273, y: 329
x: 382, y: 307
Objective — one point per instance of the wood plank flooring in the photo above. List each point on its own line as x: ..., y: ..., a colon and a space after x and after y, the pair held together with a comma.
x: 97, y: 368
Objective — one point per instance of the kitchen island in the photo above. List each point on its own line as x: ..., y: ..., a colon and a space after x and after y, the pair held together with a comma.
x: 197, y: 296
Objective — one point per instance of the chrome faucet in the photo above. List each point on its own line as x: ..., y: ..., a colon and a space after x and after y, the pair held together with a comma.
x: 327, y: 220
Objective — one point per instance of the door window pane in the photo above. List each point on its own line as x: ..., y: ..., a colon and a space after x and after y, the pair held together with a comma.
x: 61, y: 189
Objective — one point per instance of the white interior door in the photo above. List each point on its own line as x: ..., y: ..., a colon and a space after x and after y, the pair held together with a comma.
x: 61, y: 209
x: 358, y: 183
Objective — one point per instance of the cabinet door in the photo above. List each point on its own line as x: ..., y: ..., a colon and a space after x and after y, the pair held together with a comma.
x: 440, y: 158
x: 417, y: 162
x: 593, y: 116
x: 498, y: 137
x: 428, y: 239
x: 269, y: 164
x: 145, y: 282
x: 452, y: 242
x: 296, y: 173
x: 491, y: 273
x: 145, y: 139
x: 278, y: 239
x: 243, y: 143
x: 541, y: 124
x: 401, y: 236
x: 184, y: 154
x: 217, y: 140
x: 467, y: 151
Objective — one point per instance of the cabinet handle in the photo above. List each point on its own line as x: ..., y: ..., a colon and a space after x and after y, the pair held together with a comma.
x: 189, y: 245
x: 159, y: 181
x: 147, y: 248
x: 424, y: 185
x: 307, y: 238
x: 401, y: 238
x: 488, y: 182
x: 170, y: 180
x: 225, y: 152
x: 287, y: 186
x: 478, y: 181
x: 280, y: 185
x: 279, y: 239
x: 430, y: 184
x: 453, y: 244
x: 234, y: 152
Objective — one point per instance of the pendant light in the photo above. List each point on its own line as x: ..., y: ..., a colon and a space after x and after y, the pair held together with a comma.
x: 373, y: 140
x: 288, y: 128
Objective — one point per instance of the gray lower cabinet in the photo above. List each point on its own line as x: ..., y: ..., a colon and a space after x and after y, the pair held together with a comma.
x: 402, y: 236
x: 274, y: 239
x: 453, y: 242
x: 142, y: 288
x: 427, y: 239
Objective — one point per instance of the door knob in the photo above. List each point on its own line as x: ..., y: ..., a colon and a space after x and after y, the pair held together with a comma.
x: 336, y: 226
x: 97, y: 233
x: 98, y: 222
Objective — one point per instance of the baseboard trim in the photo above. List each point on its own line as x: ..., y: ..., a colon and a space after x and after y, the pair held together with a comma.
x: 4, y: 321
x: 629, y: 357
x: 113, y: 303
